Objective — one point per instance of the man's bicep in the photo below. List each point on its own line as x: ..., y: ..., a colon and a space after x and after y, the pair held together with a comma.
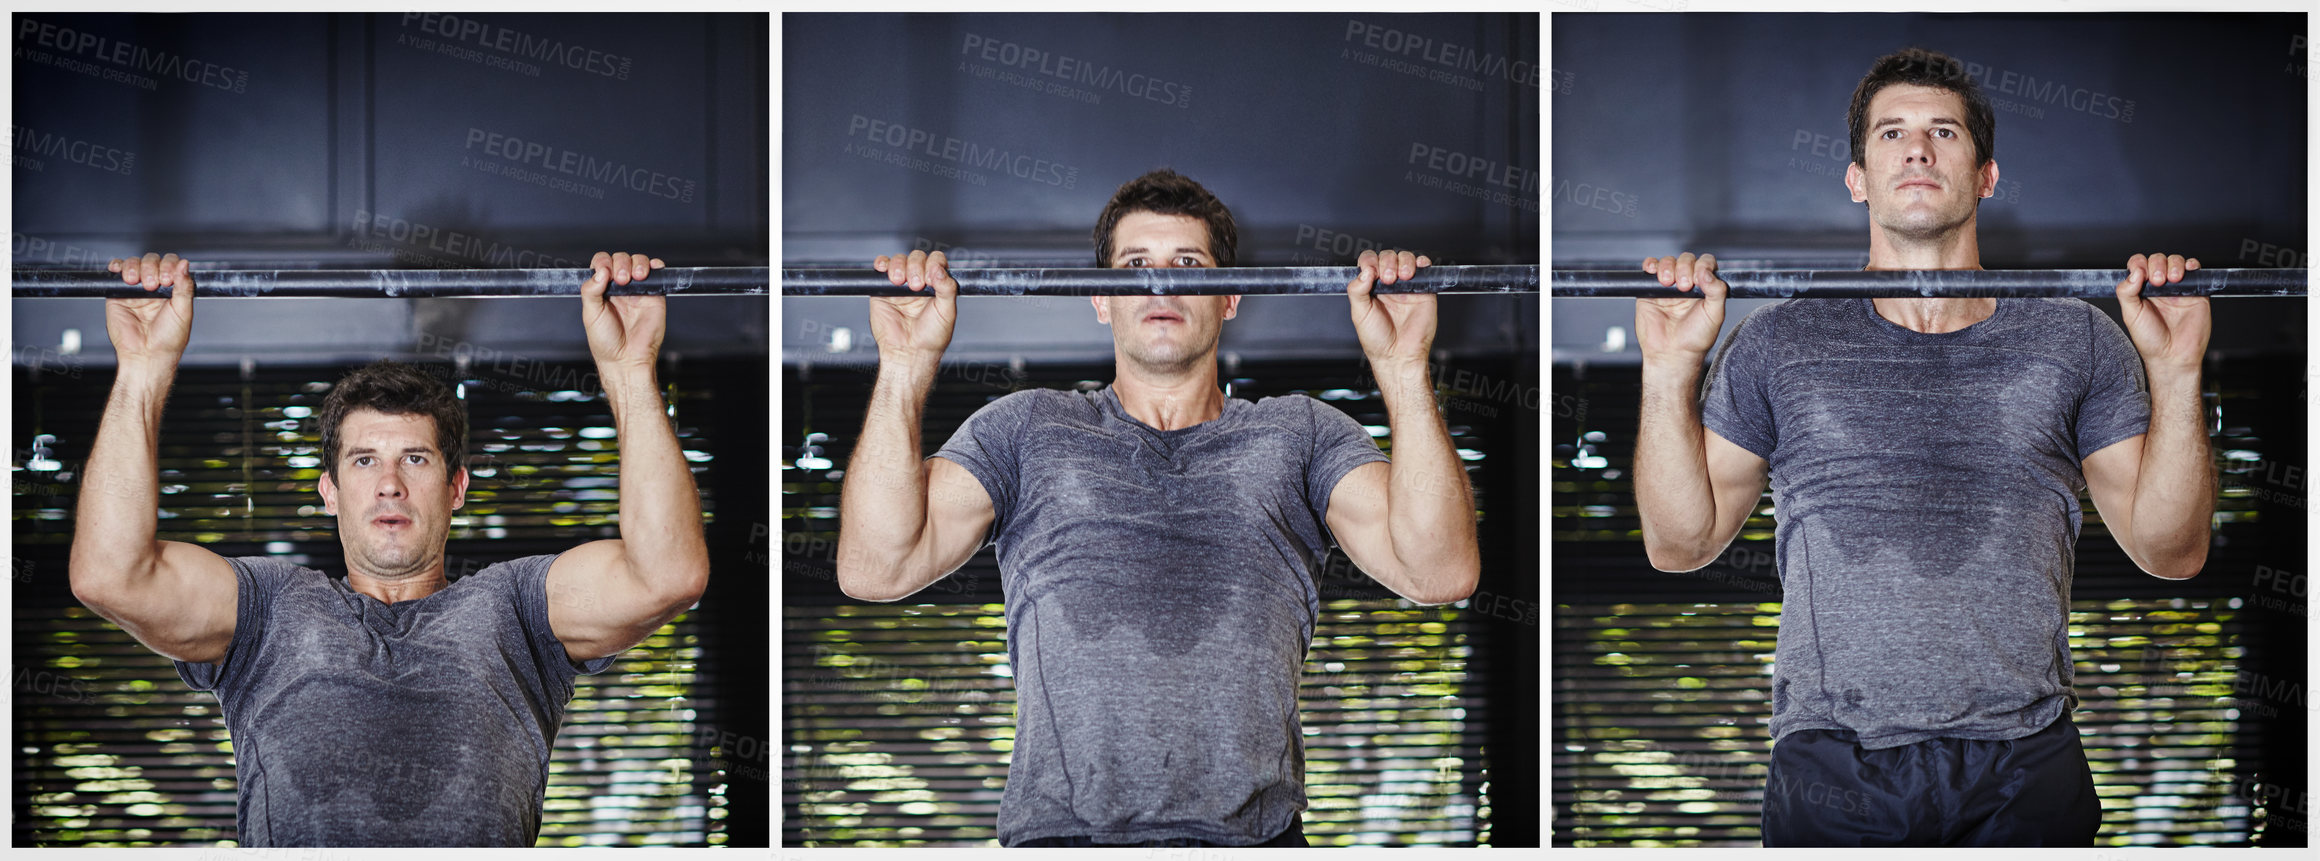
x: 597, y: 606
x: 1736, y: 478
x: 1357, y: 518
x: 958, y: 519
x: 2111, y: 473
x: 187, y: 611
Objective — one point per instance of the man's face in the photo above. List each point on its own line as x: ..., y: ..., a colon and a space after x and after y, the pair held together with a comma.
x: 1163, y: 333
x: 392, y: 497
x: 1917, y: 170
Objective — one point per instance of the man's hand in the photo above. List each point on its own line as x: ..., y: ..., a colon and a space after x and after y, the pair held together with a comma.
x: 1394, y: 327
x: 2169, y: 331
x: 622, y: 330
x: 915, y: 329
x: 154, y: 329
x: 1667, y: 328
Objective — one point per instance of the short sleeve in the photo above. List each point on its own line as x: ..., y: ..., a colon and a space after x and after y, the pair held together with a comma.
x: 1733, y: 397
x: 527, y: 578
x: 988, y: 444
x: 257, y: 579
x: 2118, y: 397
x: 1339, y: 445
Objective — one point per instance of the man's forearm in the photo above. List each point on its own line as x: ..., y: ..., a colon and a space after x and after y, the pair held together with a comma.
x: 1674, y: 498
x: 882, y: 506
x: 1427, y: 493
x: 113, y: 531
x: 2175, y: 484
x: 660, y: 511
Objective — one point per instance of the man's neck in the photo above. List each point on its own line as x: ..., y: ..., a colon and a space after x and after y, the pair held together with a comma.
x: 1955, y: 249
x: 410, y: 588
x: 1170, y: 401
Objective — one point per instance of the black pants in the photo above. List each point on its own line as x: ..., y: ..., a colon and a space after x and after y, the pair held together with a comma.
x: 1295, y: 836
x: 1826, y: 790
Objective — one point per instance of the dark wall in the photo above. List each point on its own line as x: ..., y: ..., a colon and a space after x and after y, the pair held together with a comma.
x: 390, y: 141
x: 2116, y: 134
x: 998, y: 138
x: 1299, y: 122
x: 303, y: 137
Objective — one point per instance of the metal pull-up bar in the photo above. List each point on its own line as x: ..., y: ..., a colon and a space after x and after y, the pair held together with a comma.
x: 1930, y: 283
x: 1165, y: 281
x: 39, y: 283
x: 1250, y: 280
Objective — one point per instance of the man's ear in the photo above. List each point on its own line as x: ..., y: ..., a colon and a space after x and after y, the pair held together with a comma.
x: 1855, y: 182
x: 1103, y: 313
x: 1990, y: 178
x: 1232, y: 306
x: 459, y: 488
x: 329, y: 494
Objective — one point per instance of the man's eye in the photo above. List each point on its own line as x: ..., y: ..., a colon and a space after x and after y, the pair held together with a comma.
x: 1188, y: 261
x: 1134, y: 262
x: 362, y: 460
x: 416, y: 458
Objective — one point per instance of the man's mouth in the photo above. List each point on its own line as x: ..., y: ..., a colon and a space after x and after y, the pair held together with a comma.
x: 390, y: 521
x: 1921, y: 183
x: 1163, y: 316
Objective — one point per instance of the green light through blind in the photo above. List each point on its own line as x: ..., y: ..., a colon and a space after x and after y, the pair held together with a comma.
x: 900, y: 720
x: 1659, y: 731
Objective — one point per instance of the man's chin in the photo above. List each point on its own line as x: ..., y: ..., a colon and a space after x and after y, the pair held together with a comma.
x: 1168, y: 361
x: 1922, y: 225
x: 392, y: 565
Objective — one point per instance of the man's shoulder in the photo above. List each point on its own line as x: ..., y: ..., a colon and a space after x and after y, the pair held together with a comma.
x: 1036, y: 399
x: 271, y: 565
x: 1293, y: 402
x: 1801, y: 312
x: 273, y: 573
x: 2059, y: 310
x: 1030, y: 405
x: 1305, y: 415
x: 2062, y: 327
x: 511, y: 568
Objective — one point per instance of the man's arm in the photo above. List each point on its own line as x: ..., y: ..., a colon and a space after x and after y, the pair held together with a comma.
x: 178, y: 599
x: 1408, y: 523
x: 1693, y: 488
x: 606, y: 596
x: 2156, y: 491
x: 904, y: 522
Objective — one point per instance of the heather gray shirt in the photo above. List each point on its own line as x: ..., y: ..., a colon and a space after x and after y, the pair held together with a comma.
x: 1160, y: 596
x: 1926, y: 488
x: 418, y: 723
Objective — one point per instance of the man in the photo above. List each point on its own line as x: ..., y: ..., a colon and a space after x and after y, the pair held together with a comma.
x: 1925, y: 457
x: 390, y: 706
x: 1158, y: 542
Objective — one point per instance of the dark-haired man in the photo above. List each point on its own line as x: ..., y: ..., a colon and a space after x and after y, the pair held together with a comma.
x: 1926, y: 458
x: 1158, y: 542
x: 390, y: 707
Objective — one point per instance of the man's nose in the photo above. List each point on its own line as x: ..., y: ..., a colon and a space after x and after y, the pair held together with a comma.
x: 391, y: 485
x: 1917, y: 150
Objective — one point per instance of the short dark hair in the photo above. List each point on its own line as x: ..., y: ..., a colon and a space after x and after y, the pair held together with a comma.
x: 395, y: 388
x: 1925, y: 69
x: 1167, y: 192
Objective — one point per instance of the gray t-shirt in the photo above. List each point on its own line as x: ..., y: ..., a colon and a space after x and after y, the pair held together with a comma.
x: 1160, y: 596
x: 1926, y: 488
x: 418, y: 723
